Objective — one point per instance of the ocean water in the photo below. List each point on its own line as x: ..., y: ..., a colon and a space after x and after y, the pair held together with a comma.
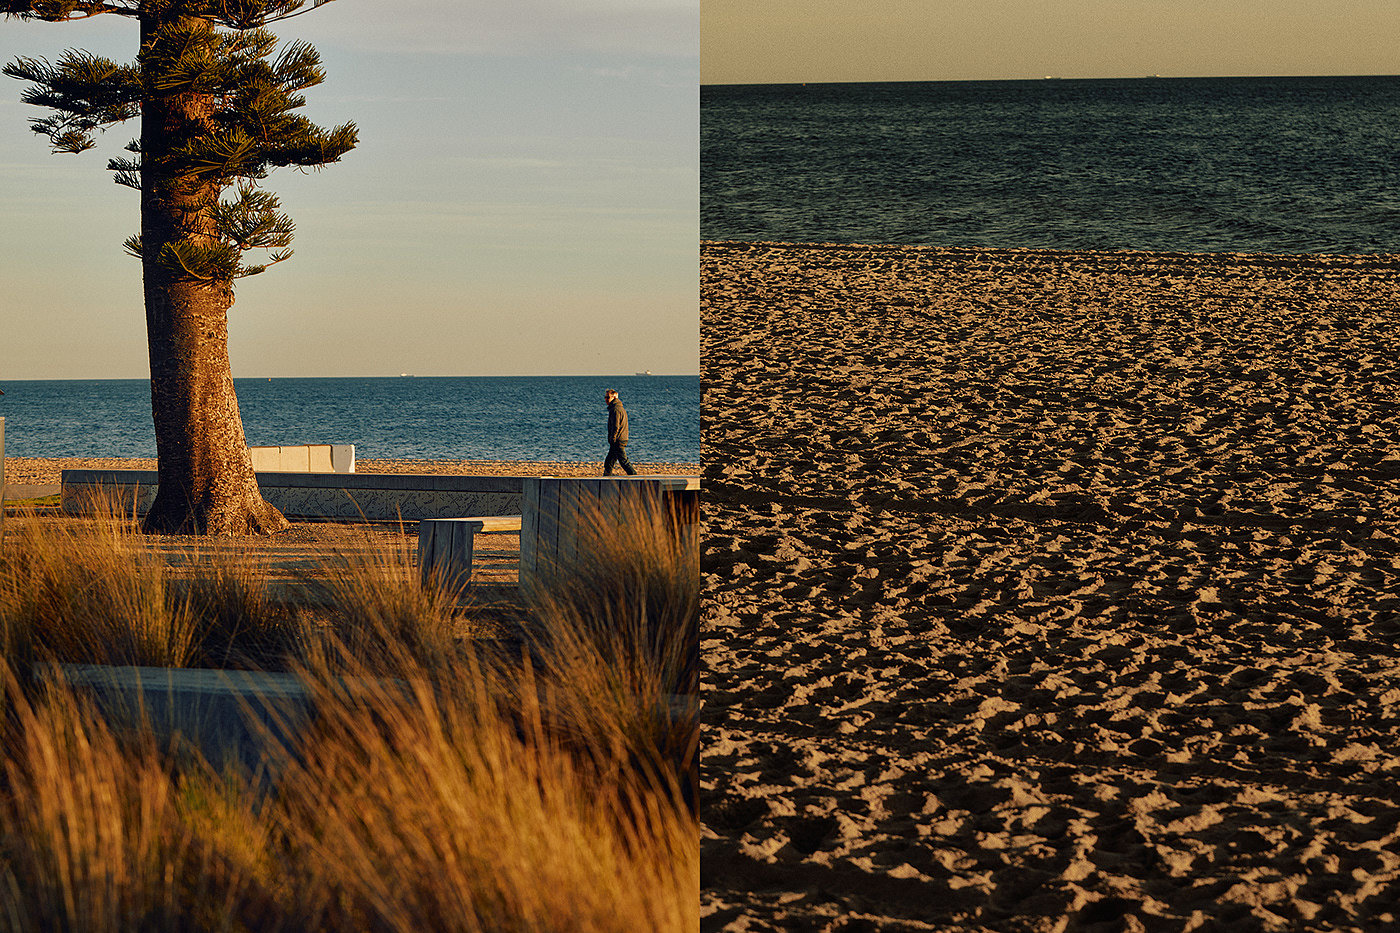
x: 438, y: 418
x: 1264, y: 165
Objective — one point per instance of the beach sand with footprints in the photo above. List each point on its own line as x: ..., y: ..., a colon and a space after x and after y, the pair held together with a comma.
x: 1050, y: 590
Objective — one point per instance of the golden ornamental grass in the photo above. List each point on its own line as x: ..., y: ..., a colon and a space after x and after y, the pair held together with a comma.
x: 439, y: 788
x: 81, y: 592
x: 617, y: 632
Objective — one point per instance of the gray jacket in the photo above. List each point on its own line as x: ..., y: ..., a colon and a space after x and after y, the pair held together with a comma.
x: 617, y: 422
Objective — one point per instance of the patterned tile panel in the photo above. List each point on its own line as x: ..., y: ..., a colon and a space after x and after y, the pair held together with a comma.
x: 372, y: 497
x: 388, y: 504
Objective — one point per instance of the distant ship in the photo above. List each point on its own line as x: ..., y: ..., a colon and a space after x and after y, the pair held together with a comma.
x: 647, y: 373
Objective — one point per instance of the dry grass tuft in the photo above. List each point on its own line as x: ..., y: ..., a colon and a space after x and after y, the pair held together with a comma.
x: 90, y: 592
x: 83, y: 593
x: 238, y: 623
x: 439, y: 805
x: 617, y: 629
x: 380, y: 614
x: 90, y: 835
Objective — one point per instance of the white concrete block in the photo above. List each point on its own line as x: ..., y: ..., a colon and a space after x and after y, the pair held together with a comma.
x: 319, y: 458
x: 343, y: 458
x: 266, y: 459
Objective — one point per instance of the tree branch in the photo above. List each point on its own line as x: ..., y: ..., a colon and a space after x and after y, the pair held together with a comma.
x: 316, y: 4
x: 13, y: 11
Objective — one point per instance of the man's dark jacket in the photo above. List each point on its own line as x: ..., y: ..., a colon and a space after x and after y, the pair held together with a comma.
x: 617, y: 422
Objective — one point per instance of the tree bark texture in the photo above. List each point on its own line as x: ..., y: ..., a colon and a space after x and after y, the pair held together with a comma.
x: 207, y: 483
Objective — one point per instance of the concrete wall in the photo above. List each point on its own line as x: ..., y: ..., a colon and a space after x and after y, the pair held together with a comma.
x: 344, y: 496
x: 555, y: 510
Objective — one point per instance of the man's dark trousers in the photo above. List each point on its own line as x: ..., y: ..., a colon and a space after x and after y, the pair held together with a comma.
x: 617, y: 454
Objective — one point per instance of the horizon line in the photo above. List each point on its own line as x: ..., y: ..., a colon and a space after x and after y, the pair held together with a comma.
x: 1148, y: 77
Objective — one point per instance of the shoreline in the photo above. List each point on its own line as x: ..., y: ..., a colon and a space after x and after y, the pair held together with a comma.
x: 23, y: 471
x: 1048, y: 588
x: 1118, y: 256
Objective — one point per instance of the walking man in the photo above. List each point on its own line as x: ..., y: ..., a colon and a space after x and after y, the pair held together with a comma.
x: 617, y: 435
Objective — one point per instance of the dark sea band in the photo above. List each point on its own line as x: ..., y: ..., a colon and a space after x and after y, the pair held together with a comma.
x: 1252, y: 165
x: 540, y: 418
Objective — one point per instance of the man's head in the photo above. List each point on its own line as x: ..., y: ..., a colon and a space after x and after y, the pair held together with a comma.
x: 610, y: 396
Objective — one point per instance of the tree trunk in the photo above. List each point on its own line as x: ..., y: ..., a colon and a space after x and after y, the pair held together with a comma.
x: 207, y: 484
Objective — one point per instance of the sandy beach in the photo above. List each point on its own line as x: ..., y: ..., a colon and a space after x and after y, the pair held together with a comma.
x: 1050, y: 591
x: 47, y: 470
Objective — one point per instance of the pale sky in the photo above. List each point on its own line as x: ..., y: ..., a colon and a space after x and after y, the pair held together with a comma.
x: 524, y: 201
x: 791, y: 41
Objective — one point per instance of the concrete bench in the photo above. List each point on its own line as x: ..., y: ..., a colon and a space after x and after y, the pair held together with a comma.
x: 304, y: 458
x: 445, y: 545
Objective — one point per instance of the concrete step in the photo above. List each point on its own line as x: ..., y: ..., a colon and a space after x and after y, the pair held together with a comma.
x: 231, y: 717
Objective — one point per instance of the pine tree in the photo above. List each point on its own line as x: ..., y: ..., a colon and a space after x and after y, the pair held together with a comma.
x: 216, y: 102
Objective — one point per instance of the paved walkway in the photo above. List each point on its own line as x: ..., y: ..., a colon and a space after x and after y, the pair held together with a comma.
x: 14, y: 491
